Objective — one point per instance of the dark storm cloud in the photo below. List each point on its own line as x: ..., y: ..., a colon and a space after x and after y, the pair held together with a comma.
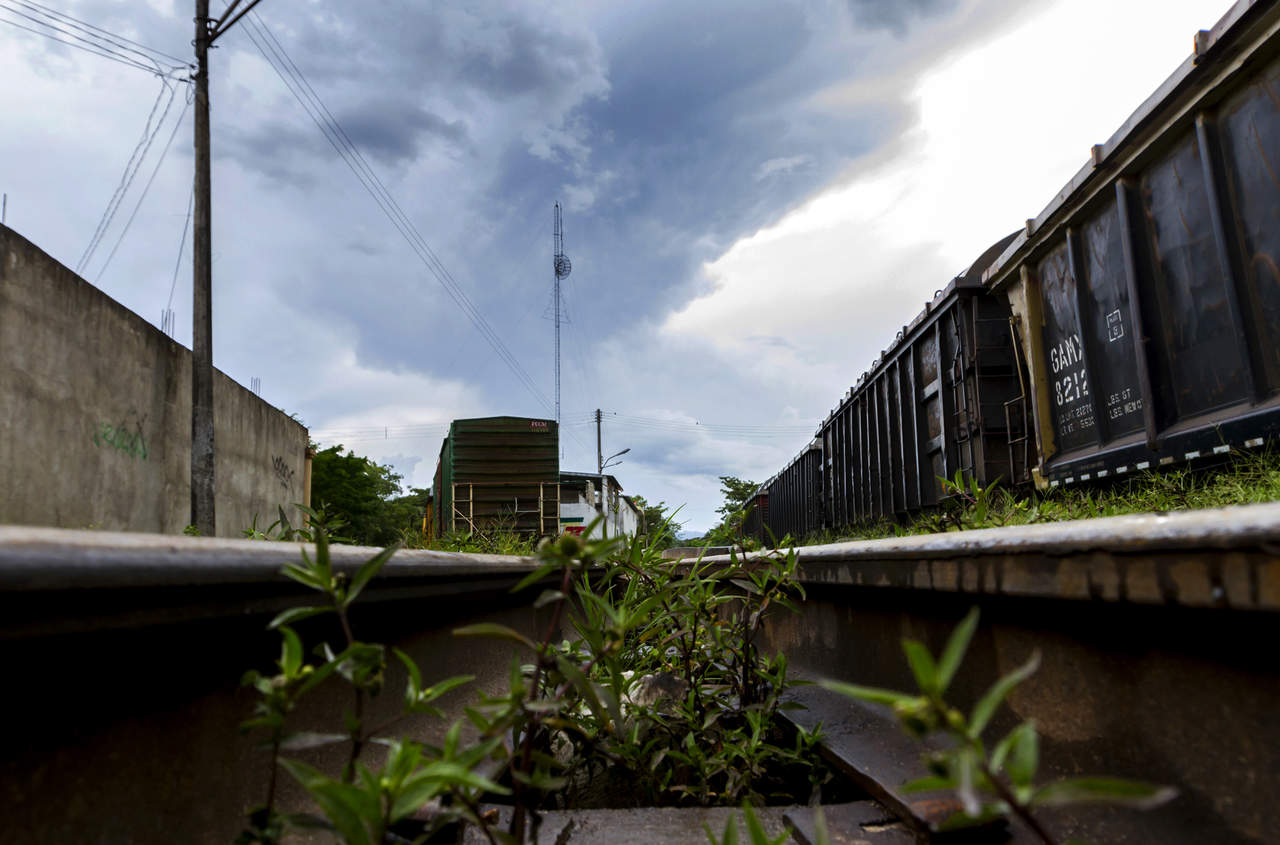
x: 283, y: 151
x: 655, y: 138
x: 896, y: 15
x: 518, y: 57
x: 702, y: 97
x: 406, y: 78
x: 393, y: 132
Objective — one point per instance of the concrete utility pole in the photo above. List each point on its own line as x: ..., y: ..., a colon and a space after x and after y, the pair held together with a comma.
x: 202, y: 487
x: 202, y: 463
x: 202, y: 278
x: 599, y: 451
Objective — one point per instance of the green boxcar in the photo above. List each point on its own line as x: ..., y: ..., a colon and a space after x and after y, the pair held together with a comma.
x: 499, y: 472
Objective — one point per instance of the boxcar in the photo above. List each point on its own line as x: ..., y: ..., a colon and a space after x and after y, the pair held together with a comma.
x: 941, y: 401
x: 757, y: 517
x: 499, y: 471
x: 795, y: 496
x: 1147, y: 295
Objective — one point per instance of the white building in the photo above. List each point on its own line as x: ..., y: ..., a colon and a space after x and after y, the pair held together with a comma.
x: 586, y: 495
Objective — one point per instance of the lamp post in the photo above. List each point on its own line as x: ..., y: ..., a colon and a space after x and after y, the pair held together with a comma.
x: 605, y: 462
x: 603, y: 505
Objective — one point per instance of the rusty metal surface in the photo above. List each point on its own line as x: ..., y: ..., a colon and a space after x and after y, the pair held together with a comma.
x: 1158, y: 269
x: 1224, y: 557
x: 865, y: 744
x: 131, y: 735
x: 65, y: 581
x: 33, y: 558
x: 1173, y: 695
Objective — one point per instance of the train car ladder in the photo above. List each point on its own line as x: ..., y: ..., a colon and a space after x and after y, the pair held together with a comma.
x: 466, y: 514
x: 962, y: 415
x: 548, y: 523
x: 1015, y: 411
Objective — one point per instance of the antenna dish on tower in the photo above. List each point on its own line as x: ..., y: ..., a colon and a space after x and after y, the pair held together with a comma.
x: 563, y: 266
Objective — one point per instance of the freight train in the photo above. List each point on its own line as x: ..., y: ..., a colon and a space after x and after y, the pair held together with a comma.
x: 1133, y: 325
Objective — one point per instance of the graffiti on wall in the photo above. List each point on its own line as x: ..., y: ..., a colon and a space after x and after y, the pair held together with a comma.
x: 122, y: 437
x: 284, y: 472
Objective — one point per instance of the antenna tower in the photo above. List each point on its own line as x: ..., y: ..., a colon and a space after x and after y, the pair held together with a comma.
x: 563, y: 267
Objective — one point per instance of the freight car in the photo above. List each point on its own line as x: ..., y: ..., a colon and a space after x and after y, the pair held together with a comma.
x: 795, y: 497
x: 935, y: 404
x: 499, y: 471
x: 1147, y: 295
x: 1140, y: 314
x: 757, y: 514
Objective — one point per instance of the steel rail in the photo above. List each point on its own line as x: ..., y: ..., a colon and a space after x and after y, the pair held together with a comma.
x: 1223, y: 557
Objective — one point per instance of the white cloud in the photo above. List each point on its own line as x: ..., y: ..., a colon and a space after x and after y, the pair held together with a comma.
x: 781, y: 164
x: 1001, y: 129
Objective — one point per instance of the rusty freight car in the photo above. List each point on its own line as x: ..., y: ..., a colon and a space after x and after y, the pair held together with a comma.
x: 499, y: 472
x: 936, y: 404
x: 1147, y: 294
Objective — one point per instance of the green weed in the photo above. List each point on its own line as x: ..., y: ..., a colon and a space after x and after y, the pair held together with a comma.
x: 997, y: 783
x: 660, y: 685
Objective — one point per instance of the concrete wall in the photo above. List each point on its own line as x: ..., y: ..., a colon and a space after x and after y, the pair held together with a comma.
x: 95, y: 415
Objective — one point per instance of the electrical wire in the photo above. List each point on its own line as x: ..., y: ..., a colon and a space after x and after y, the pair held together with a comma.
x: 95, y: 46
x: 182, y: 243
x: 657, y: 421
x: 729, y: 430
x: 98, y: 33
x: 106, y: 55
x: 297, y: 84
x: 130, y: 171
x: 145, y: 188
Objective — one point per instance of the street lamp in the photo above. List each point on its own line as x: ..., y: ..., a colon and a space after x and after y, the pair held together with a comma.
x: 605, y: 462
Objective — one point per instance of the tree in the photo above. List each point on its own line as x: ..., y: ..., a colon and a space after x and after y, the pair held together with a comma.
x: 362, y: 493
x: 659, y: 525
x: 737, y: 494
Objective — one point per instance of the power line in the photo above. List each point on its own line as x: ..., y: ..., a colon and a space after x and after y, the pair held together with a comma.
x: 124, y: 43
x: 145, y: 188
x: 640, y: 419
x: 106, y: 55
x: 182, y: 242
x: 337, y: 137
x: 730, y: 430
x: 80, y: 42
x: 131, y: 168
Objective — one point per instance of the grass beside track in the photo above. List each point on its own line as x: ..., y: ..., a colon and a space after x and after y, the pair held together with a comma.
x: 1248, y: 478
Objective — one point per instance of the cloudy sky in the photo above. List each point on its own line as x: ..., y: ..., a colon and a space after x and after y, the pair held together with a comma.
x: 756, y: 195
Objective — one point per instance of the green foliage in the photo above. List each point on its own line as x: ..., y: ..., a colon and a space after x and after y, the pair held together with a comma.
x: 662, y: 686
x: 737, y: 494
x: 191, y: 531
x: 996, y: 783
x: 660, y: 525
x: 497, y: 537
x: 363, y: 494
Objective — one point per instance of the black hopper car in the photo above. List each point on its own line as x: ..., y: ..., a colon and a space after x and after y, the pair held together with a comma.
x: 1134, y: 324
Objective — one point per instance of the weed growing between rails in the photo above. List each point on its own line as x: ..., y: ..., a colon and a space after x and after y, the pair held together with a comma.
x: 659, y: 689
x: 999, y: 783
